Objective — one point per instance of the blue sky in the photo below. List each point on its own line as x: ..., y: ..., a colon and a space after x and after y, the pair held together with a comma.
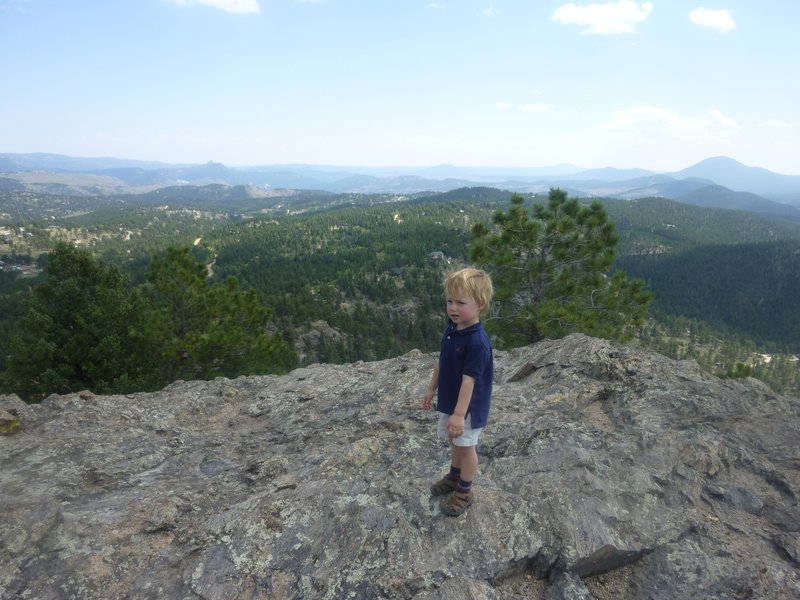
x: 516, y: 83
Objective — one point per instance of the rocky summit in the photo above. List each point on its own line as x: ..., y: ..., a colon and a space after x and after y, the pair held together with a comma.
x: 606, y: 472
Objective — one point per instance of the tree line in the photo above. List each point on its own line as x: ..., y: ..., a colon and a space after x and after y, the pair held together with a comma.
x: 355, y: 283
x: 86, y: 327
x: 369, y: 276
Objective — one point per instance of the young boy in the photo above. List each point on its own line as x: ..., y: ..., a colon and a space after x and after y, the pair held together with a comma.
x: 463, y: 376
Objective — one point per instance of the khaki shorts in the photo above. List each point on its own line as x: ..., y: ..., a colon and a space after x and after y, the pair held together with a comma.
x: 468, y: 438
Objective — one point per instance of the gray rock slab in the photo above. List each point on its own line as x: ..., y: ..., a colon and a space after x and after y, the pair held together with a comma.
x: 605, y: 472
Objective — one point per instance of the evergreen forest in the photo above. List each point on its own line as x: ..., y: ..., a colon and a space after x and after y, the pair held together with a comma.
x: 348, y: 277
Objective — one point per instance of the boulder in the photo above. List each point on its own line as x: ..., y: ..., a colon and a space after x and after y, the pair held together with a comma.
x: 606, y: 472
x: 9, y: 423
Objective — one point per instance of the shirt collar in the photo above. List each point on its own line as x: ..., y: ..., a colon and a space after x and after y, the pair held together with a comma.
x: 452, y: 328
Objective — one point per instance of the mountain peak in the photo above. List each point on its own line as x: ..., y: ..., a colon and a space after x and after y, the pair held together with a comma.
x: 721, y: 170
x: 730, y: 173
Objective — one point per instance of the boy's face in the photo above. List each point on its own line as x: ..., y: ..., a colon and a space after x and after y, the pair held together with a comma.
x: 463, y: 310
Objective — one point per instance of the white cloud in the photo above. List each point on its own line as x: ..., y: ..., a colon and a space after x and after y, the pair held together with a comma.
x: 15, y: 5
x: 780, y: 124
x: 651, y: 119
x: 537, y: 108
x: 720, y: 20
x: 436, y: 5
x: 239, y: 7
x: 540, y: 107
x: 608, y: 18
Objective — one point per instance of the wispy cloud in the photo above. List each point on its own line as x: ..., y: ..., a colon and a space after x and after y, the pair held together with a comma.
x: 540, y: 107
x: 780, y: 124
x: 436, y: 5
x: 15, y: 5
x: 606, y: 19
x: 239, y: 7
x: 668, y: 122
x: 537, y: 108
x: 720, y: 20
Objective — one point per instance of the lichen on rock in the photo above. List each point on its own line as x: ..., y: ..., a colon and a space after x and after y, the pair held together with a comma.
x: 605, y: 472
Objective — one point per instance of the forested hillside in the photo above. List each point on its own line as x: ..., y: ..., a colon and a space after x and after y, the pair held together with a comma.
x: 660, y: 226
x: 366, y: 273
x: 752, y: 288
x: 358, y: 277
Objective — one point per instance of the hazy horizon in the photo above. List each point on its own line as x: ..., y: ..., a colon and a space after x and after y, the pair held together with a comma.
x: 508, y: 84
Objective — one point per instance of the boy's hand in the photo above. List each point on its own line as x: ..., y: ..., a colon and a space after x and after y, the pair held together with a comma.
x: 455, y: 426
x: 427, y: 400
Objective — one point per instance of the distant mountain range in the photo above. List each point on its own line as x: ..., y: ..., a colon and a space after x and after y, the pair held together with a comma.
x: 715, y: 182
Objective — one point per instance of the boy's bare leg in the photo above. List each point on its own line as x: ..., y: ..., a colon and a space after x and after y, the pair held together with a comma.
x: 466, y: 458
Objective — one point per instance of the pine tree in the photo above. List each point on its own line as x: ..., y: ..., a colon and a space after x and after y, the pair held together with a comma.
x: 82, y: 329
x: 551, y: 274
x: 210, y: 329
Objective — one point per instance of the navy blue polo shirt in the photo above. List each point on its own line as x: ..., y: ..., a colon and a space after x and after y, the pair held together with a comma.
x: 466, y: 352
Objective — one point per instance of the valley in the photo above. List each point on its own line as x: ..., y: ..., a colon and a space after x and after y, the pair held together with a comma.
x: 357, y: 276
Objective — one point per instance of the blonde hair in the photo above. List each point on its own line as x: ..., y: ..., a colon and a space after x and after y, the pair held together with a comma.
x: 473, y: 283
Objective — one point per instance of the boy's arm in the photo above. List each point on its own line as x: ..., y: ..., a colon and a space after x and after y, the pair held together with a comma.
x: 455, y: 424
x: 427, y: 399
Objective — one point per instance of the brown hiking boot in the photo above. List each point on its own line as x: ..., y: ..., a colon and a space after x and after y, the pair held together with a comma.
x: 456, y: 503
x: 444, y: 486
